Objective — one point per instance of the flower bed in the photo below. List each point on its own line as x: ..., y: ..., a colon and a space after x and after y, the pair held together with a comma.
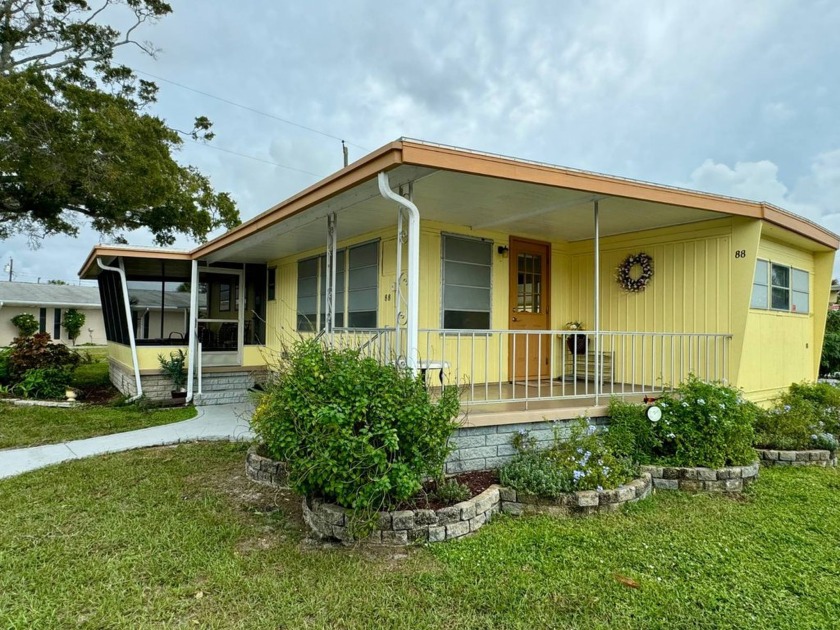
x: 812, y: 457
x: 578, y: 503
x: 329, y: 521
x: 700, y: 479
x: 265, y: 470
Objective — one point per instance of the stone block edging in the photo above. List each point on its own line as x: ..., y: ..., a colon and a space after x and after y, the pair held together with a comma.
x: 700, y: 479
x: 812, y: 457
x: 329, y: 521
x: 265, y: 470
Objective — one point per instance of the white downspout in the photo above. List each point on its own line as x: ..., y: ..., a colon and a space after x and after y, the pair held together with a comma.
x: 193, y: 329
x: 413, y: 268
x: 132, y: 342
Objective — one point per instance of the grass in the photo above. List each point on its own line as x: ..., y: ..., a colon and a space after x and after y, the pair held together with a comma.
x: 32, y: 426
x: 176, y: 537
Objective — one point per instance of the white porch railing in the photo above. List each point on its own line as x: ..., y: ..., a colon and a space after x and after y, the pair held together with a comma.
x: 505, y: 366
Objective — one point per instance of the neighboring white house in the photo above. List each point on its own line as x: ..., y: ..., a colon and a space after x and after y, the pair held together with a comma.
x: 48, y: 303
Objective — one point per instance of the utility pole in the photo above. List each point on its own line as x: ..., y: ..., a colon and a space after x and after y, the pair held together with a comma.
x: 10, y: 268
x: 345, y: 152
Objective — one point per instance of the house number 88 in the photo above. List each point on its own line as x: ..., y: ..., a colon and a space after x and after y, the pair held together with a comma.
x: 740, y: 253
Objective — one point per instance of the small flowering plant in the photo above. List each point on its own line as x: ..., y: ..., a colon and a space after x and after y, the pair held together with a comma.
x: 804, y: 417
x: 577, y: 459
x: 702, y: 424
x: 705, y: 424
x: 574, y: 325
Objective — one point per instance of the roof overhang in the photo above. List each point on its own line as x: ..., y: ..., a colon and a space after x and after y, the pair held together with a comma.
x: 479, y: 190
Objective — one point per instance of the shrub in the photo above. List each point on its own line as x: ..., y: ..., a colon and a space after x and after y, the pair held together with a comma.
x: 5, y: 375
x: 72, y: 322
x: 352, y: 430
x: 43, y: 383
x: 451, y: 491
x: 36, y: 352
x: 799, y: 417
x: 26, y: 324
x: 703, y: 424
x: 584, y: 461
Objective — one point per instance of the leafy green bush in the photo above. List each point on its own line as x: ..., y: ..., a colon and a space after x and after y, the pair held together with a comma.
x: 43, y: 383
x: 800, y: 418
x: 175, y: 368
x: 583, y: 461
x: 5, y: 374
x: 36, y: 352
x: 830, y: 358
x: 352, y: 430
x: 703, y: 424
x: 72, y: 322
x: 26, y: 324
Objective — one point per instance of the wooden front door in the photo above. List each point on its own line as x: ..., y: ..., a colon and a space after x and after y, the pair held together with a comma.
x: 530, y: 354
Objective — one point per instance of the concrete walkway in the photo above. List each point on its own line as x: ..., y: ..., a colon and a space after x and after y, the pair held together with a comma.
x: 216, y: 422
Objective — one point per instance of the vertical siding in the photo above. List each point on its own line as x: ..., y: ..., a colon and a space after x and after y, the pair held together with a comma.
x: 780, y: 348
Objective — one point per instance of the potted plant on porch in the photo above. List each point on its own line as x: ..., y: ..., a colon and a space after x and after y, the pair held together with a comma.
x: 174, y: 368
x: 576, y: 342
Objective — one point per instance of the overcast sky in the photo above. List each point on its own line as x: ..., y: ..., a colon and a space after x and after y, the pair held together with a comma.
x: 740, y: 98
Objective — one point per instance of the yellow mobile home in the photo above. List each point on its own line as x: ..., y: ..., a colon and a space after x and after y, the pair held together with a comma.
x: 542, y: 290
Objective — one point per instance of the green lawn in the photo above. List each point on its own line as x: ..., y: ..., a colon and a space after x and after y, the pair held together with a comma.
x: 176, y: 537
x: 31, y: 426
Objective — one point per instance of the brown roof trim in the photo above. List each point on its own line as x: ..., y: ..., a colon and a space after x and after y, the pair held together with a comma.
x: 351, y: 175
x: 110, y: 251
x: 417, y: 153
x: 476, y: 163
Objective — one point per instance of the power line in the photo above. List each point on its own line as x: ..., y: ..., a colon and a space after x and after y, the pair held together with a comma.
x: 252, y: 157
x: 251, y: 109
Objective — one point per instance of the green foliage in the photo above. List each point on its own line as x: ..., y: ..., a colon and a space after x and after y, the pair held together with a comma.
x: 800, y: 418
x: 830, y: 358
x: 36, y: 352
x: 72, y: 322
x: 75, y: 139
x: 703, y: 424
x: 26, y: 324
x: 43, y: 383
x: 352, y: 430
x: 583, y: 461
x: 5, y: 374
x: 175, y: 368
x: 450, y: 491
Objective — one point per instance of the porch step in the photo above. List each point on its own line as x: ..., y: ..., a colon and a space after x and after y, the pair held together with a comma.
x: 223, y: 388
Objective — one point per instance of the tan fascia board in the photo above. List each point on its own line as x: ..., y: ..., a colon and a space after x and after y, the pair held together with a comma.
x: 446, y: 158
x: 105, y: 251
x: 364, y: 169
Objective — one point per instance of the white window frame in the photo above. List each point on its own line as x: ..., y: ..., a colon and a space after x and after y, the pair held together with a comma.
x: 343, y: 306
x: 769, y: 286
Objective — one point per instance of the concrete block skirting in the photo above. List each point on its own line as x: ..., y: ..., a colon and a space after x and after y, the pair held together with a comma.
x: 485, y: 448
x: 813, y: 457
x: 330, y: 522
x: 699, y: 479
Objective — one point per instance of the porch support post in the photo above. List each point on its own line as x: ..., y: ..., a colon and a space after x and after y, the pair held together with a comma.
x: 412, y: 316
x: 330, y: 275
x: 597, y: 284
x: 192, y: 329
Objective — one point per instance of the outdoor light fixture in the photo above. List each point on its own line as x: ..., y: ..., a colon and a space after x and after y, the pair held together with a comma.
x: 503, y: 250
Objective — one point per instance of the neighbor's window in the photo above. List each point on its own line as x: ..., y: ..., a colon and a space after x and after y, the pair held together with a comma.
x: 780, y: 288
x: 466, y: 279
x: 356, y: 289
x: 42, y: 320
x: 57, y: 323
